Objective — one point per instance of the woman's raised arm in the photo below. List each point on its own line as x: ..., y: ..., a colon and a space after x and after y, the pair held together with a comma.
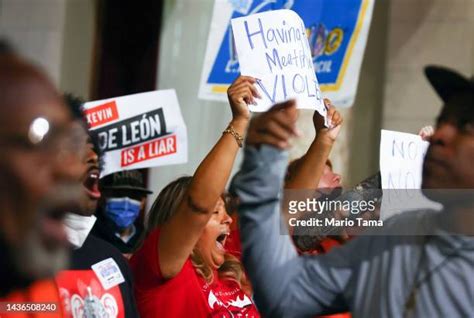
x: 180, y: 234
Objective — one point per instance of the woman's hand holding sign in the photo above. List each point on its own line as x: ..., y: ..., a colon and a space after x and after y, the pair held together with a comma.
x: 334, y: 119
x: 310, y: 167
x: 241, y: 93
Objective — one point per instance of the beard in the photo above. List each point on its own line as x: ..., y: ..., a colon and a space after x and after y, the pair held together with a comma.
x: 41, y: 253
x: 34, y: 261
x: 22, y: 265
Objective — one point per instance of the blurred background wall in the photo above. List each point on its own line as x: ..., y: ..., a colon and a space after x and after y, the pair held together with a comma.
x: 67, y: 38
x: 56, y: 34
x: 423, y: 32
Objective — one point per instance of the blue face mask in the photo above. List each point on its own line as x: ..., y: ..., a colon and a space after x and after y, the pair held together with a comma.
x: 122, y: 211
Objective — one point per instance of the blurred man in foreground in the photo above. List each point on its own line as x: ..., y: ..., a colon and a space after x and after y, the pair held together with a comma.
x: 39, y: 169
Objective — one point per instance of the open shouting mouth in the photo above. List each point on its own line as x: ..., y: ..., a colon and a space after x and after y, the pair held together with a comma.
x: 91, y: 183
x: 221, y: 239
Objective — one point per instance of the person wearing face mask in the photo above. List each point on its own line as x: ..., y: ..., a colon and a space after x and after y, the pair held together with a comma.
x: 98, y: 281
x: 120, y: 211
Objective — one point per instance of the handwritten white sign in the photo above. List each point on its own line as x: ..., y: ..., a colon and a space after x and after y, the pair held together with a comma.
x: 401, y: 166
x: 273, y: 47
x: 139, y: 131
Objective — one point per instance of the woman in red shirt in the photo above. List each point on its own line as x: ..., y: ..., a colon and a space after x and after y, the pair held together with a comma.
x: 182, y: 268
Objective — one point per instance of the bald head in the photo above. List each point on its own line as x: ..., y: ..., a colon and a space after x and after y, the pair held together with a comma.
x: 35, y: 127
x: 26, y: 93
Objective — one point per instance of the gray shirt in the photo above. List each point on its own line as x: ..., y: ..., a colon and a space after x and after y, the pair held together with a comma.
x: 371, y: 276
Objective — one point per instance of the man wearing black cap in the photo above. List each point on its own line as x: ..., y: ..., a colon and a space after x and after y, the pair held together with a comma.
x: 122, y: 204
x: 420, y: 264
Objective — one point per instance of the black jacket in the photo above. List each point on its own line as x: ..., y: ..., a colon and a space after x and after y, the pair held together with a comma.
x: 105, y: 229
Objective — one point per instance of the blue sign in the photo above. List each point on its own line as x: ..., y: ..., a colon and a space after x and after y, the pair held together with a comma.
x: 331, y: 26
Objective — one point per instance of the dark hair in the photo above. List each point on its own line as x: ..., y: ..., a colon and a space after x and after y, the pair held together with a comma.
x: 76, y: 106
x: 5, y: 47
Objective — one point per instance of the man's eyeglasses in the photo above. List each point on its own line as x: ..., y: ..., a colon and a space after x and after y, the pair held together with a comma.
x: 44, y: 136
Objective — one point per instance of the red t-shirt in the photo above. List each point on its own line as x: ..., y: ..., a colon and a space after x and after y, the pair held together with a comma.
x: 185, y: 295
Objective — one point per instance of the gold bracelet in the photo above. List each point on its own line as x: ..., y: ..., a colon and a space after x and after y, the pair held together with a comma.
x: 236, y: 135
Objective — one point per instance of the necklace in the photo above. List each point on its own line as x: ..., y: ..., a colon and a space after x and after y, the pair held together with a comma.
x: 410, y: 302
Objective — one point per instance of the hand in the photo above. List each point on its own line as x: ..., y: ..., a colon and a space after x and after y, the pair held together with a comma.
x: 241, y: 93
x: 274, y: 127
x: 334, y: 119
x: 426, y: 133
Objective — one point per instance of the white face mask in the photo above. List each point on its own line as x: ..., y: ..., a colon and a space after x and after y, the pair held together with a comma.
x: 78, y: 228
